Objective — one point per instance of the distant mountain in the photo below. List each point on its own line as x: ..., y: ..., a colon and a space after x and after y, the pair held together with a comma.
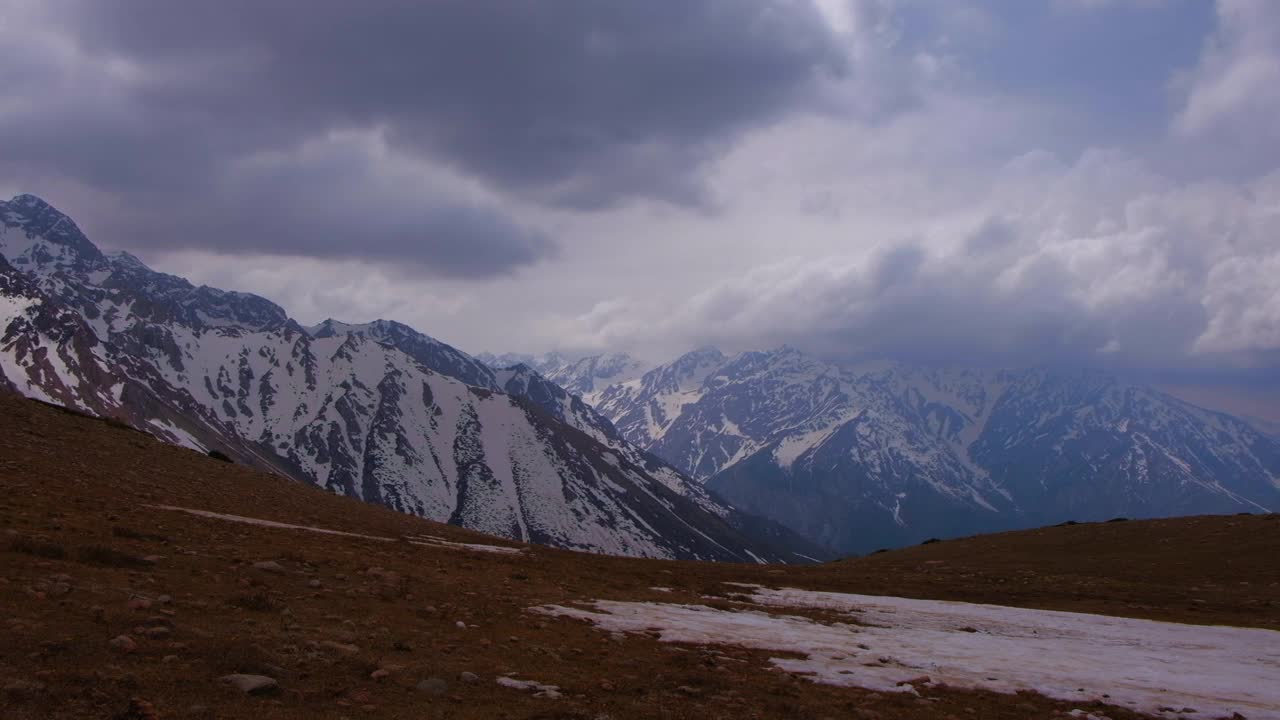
x: 1263, y: 425
x: 377, y: 411
x: 584, y: 377
x: 862, y: 457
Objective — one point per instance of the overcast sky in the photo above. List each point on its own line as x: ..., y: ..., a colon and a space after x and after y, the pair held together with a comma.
x: 1004, y: 181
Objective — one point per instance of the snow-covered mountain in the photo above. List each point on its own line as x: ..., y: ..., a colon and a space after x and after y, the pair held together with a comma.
x: 585, y: 377
x: 376, y: 411
x: 862, y: 457
x: 1263, y: 425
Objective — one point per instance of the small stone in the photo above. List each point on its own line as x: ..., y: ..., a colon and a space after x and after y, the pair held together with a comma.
x: 313, y: 583
x: 433, y: 686
x: 469, y: 677
x: 124, y: 643
x: 138, y: 603
x: 607, y: 686
x: 140, y: 709
x: 360, y: 696
x: 380, y: 674
x: 270, y: 566
x: 339, y: 647
x: 460, y: 625
x: 251, y: 684
x: 165, y: 599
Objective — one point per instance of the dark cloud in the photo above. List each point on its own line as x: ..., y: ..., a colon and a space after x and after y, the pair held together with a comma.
x: 340, y: 198
x: 581, y: 102
x: 225, y: 125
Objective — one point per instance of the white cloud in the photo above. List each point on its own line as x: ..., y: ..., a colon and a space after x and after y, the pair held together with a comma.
x: 1236, y: 87
x: 1100, y: 259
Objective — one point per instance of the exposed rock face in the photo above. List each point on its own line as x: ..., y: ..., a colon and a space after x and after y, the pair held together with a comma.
x: 376, y: 411
x: 858, y: 458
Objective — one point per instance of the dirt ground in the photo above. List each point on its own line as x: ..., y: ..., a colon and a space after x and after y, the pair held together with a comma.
x: 351, y: 627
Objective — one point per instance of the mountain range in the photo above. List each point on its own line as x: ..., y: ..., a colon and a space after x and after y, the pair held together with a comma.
x: 376, y: 411
x: 776, y: 455
x: 881, y: 454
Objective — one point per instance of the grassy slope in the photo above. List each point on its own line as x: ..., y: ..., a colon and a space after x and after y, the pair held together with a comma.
x: 77, y: 484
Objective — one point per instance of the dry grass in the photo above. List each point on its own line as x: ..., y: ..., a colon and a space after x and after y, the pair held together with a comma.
x: 109, y: 557
x: 130, y: 534
x: 38, y: 548
x: 324, y: 639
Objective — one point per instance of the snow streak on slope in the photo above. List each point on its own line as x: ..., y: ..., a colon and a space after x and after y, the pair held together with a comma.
x: 900, y: 645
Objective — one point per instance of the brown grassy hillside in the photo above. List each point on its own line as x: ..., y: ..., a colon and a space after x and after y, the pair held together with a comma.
x: 351, y: 627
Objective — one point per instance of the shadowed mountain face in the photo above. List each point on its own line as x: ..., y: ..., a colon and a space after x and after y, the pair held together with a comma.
x: 858, y: 458
x: 375, y: 411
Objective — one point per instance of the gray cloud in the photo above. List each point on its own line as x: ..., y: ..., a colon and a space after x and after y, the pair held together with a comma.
x: 1100, y: 262
x: 1075, y: 181
x: 580, y: 102
x: 212, y: 125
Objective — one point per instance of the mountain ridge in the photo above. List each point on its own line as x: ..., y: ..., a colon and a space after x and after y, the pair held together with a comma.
x: 376, y: 411
x: 887, y: 453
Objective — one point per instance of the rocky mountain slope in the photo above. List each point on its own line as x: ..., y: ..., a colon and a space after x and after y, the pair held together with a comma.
x: 585, y: 377
x: 863, y: 457
x: 375, y: 411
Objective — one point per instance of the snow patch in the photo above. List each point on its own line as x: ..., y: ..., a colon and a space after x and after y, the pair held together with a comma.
x: 1141, y: 664
x: 267, y: 523
x: 433, y: 541
x: 541, y: 690
x: 12, y: 306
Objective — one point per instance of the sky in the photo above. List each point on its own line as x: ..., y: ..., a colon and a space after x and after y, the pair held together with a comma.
x: 998, y: 182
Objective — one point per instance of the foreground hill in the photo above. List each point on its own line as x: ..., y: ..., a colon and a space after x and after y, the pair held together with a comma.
x: 116, y: 605
x: 375, y: 411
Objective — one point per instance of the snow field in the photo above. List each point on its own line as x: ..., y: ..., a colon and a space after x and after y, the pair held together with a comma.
x: 901, y: 645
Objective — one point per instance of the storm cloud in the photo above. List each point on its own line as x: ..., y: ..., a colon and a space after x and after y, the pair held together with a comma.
x: 231, y: 124
x: 1083, y: 182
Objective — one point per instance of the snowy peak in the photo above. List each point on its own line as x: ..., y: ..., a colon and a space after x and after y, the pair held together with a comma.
x: 39, y: 237
x: 584, y: 377
x: 44, y: 243
x: 539, y: 363
x: 886, y: 453
x: 377, y: 411
x: 430, y: 353
x: 587, y: 376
